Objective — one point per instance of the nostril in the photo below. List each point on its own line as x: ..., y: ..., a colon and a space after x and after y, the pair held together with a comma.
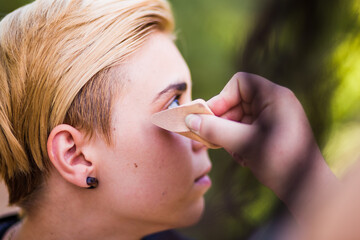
x: 196, y: 146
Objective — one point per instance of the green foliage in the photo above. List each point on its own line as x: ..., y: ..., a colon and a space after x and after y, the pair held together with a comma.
x: 7, y: 6
x: 293, y: 44
x: 208, y: 36
x: 342, y: 148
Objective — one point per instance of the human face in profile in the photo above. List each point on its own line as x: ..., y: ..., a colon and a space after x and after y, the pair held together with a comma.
x: 151, y: 176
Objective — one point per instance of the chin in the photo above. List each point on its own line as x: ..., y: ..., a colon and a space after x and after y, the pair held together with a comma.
x: 186, y: 217
x: 192, y: 215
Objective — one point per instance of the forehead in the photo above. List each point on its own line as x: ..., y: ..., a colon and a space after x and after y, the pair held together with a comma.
x: 154, y: 66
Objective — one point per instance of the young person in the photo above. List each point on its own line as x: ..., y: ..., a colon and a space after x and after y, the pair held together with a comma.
x: 81, y: 80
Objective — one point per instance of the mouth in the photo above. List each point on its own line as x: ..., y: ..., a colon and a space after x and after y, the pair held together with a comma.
x: 200, y: 177
x: 204, y: 178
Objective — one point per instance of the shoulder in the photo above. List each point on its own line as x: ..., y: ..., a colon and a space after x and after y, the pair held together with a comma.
x: 166, y: 235
x: 6, y: 222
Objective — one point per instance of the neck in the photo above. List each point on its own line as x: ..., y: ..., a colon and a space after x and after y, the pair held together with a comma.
x: 66, y: 228
x: 62, y: 217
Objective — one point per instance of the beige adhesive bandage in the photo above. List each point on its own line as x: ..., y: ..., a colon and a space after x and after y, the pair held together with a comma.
x: 174, y: 119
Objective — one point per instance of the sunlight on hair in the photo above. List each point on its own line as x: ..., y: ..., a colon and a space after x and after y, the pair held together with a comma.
x: 49, y: 51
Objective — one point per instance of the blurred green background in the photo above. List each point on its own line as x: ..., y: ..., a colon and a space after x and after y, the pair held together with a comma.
x: 309, y: 46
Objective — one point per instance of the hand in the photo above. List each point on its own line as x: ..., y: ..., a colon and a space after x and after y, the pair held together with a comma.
x: 263, y: 126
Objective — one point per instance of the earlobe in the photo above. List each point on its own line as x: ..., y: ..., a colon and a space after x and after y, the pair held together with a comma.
x: 65, y: 149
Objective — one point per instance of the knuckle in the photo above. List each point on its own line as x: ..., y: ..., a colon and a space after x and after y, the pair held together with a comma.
x: 286, y: 92
x: 288, y: 96
x: 241, y: 75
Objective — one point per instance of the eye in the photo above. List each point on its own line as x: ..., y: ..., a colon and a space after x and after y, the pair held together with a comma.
x: 174, y: 103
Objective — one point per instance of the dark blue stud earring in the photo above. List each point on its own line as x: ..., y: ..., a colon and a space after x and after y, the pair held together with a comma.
x: 92, y: 182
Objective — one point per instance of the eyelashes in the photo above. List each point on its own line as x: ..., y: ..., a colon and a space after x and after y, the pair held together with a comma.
x: 174, y: 102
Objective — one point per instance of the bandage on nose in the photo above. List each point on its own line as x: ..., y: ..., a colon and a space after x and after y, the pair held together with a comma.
x: 174, y: 119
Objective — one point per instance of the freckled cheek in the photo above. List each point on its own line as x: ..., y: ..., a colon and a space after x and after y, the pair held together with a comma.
x: 170, y: 139
x: 171, y: 152
x: 157, y: 164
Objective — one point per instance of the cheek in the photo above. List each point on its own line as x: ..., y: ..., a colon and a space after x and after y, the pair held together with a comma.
x: 155, y: 164
x: 149, y: 174
x: 168, y: 158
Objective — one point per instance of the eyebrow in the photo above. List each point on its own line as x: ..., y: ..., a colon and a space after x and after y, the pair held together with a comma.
x: 180, y: 87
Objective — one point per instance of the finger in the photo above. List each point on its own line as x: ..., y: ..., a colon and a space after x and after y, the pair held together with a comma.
x: 243, y: 87
x: 235, y: 114
x: 226, y: 99
x: 231, y: 135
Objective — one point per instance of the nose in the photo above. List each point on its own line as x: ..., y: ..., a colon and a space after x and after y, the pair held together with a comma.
x: 197, y: 146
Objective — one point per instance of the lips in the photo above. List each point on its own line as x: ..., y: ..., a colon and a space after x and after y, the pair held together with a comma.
x: 203, y: 175
x: 198, y: 178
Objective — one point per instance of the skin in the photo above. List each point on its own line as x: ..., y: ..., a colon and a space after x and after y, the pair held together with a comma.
x: 147, y: 177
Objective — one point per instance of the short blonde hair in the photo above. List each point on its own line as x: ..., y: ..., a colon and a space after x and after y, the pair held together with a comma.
x: 55, y: 63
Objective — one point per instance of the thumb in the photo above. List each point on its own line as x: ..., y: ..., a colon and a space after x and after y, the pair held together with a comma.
x: 231, y: 135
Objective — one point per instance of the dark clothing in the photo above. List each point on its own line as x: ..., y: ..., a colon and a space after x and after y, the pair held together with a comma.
x: 7, y: 221
x: 166, y: 235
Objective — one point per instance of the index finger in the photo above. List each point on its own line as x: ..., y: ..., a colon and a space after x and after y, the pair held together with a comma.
x: 242, y: 87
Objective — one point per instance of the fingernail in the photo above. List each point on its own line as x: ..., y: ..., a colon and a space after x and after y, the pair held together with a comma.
x: 193, y: 122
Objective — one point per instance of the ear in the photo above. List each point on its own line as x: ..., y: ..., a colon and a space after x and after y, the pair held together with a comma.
x: 65, y: 148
